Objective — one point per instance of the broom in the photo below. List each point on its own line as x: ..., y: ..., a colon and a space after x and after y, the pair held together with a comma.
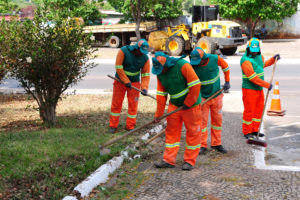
x: 257, y: 141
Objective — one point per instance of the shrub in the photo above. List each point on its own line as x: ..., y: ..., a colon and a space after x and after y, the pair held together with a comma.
x: 46, y: 58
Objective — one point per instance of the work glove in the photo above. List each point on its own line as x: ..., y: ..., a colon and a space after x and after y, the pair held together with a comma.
x: 226, y: 86
x: 128, y: 85
x: 185, y: 107
x: 144, y: 92
x: 271, y: 86
x: 277, y: 56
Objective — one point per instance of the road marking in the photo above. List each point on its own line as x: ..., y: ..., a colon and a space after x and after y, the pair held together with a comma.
x: 260, y: 163
x: 285, y: 125
x: 285, y: 135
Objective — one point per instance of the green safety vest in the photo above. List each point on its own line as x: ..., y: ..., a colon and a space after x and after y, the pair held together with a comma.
x: 209, y: 76
x: 258, y: 67
x: 176, y: 85
x: 132, y: 64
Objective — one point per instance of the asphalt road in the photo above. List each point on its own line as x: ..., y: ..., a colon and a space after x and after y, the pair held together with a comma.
x: 287, y: 73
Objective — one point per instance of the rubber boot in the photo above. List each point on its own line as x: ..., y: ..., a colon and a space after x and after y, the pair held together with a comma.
x: 219, y: 148
x: 203, y: 151
x: 187, y: 166
x: 163, y: 164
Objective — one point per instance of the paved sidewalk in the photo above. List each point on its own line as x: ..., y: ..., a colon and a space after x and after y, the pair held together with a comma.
x: 216, y: 176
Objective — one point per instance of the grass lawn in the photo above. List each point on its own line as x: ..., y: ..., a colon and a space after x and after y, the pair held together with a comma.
x: 37, y: 162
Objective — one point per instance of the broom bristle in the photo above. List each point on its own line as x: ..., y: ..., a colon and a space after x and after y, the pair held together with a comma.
x: 257, y: 142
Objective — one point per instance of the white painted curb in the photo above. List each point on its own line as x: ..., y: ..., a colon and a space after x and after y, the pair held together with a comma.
x: 70, y: 198
x: 101, y: 175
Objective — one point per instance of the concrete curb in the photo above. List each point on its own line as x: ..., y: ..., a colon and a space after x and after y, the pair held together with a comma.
x: 101, y: 175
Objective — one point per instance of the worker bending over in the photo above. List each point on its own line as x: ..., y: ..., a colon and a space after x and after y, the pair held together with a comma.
x: 131, y: 63
x: 176, y: 77
x: 206, y: 67
x: 252, y: 64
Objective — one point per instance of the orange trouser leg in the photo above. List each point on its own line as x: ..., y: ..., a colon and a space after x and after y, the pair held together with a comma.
x: 216, y: 120
x: 204, y: 118
x: 119, y: 90
x: 192, y: 122
x: 173, y: 134
x: 133, y: 99
x: 250, y: 98
x: 258, y: 110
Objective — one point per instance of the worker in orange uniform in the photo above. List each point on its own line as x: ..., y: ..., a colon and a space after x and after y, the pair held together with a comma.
x: 176, y: 77
x: 206, y: 67
x: 252, y: 64
x: 131, y: 63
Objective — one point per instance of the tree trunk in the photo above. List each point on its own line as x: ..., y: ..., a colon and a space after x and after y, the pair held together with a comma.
x: 253, y: 25
x: 136, y: 14
x: 48, y: 114
x: 137, y: 29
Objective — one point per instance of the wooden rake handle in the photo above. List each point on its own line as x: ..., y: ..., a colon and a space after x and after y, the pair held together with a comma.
x: 138, y: 128
x: 267, y: 95
x: 115, y: 78
x: 156, y: 136
x: 212, y: 96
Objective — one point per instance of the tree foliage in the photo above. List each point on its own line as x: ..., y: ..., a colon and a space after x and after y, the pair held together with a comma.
x: 253, y: 11
x: 8, y: 7
x: 46, y: 59
x: 142, y: 10
x: 88, y: 10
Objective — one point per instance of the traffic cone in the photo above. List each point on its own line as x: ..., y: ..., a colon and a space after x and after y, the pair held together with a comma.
x: 275, y: 108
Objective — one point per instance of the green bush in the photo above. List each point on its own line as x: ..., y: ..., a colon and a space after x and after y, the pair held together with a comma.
x: 46, y: 55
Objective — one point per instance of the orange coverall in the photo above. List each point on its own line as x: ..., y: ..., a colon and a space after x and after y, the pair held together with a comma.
x: 190, y: 117
x: 253, y: 99
x: 214, y: 106
x: 119, y: 90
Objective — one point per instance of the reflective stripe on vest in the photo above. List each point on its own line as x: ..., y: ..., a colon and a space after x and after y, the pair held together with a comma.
x: 253, y: 75
x: 119, y: 66
x: 211, y: 81
x: 180, y: 94
x: 193, y: 83
x: 132, y: 73
x: 160, y: 93
x: 205, y: 129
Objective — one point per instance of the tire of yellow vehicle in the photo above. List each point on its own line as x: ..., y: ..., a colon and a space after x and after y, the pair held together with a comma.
x: 114, y: 42
x: 229, y: 51
x: 207, y: 45
x: 175, y: 46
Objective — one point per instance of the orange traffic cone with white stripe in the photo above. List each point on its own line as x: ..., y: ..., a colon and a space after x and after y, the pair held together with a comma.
x: 275, y: 108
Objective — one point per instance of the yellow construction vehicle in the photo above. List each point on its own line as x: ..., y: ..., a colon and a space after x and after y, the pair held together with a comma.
x: 206, y: 32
